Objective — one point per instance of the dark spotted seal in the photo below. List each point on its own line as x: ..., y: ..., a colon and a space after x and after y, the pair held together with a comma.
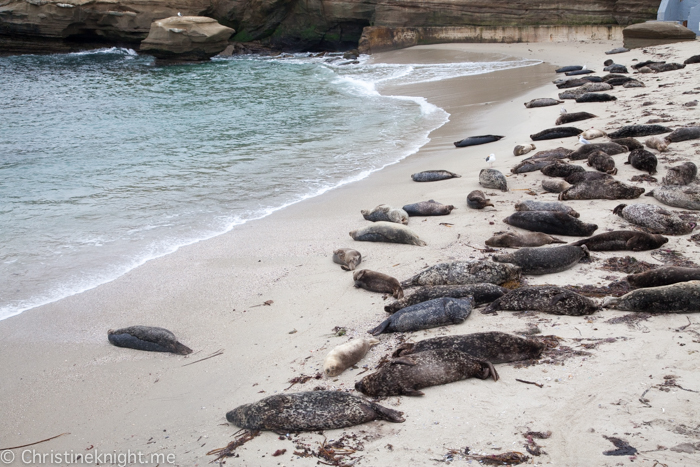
x: 601, y: 189
x: 310, y: 411
x: 634, y: 131
x: 148, y: 338
x: 550, y: 222
x: 630, y: 143
x: 555, y: 186
x: 531, y: 205
x: 602, y: 162
x: 608, y: 148
x: 587, y: 176
x: 678, y: 196
x: 519, y: 150
x: 545, y: 298
x: 681, y: 174
x: 428, y: 208
x: 641, y: 159
x: 384, y: 213
x: 561, y: 169
x: 616, y: 68
x: 681, y: 297
x: 619, y: 240
x: 405, y: 376
x: 596, y: 87
x: 654, y: 218
x: 377, y: 282
x: 683, y: 134
x: 433, y: 176
x: 347, y: 258
x: 464, y: 272
x: 663, y: 276
x: 492, y: 178
x: 572, y: 93
x: 556, y: 133
x: 595, y: 97
x: 426, y: 315
x: 482, y: 293
x: 573, y: 117
x: 494, y: 346
x: 387, y: 232
x: 476, y: 140
x: 537, y: 261
x: 518, y: 240
x: 542, y: 102
x: 477, y: 200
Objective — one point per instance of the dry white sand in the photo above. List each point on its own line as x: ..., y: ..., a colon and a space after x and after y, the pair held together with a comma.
x: 636, y: 382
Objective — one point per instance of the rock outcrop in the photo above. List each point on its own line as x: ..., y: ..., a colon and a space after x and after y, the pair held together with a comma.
x: 186, y: 38
x: 655, y: 33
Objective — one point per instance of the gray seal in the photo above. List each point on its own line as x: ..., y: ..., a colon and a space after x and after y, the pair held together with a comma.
x: 518, y: 240
x: 595, y: 97
x: 542, y: 102
x: 681, y: 174
x: 662, y: 67
x: 643, y: 160
x: 477, y: 140
x: 602, y: 162
x: 377, y: 282
x: 531, y: 165
x: 555, y: 186
x: 633, y: 83
x: 556, y: 133
x: 347, y: 258
x: 619, y: 240
x: 551, y: 222
x: 601, y: 189
x: 464, y: 272
x: 387, y: 232
x: 608, y: 148
x: 433, y: 176
x: 634, y: 131
x: 519, y: 150
x: 556, y: 153
x: 405, y: 376
x: 482, y: 293
x: 572, y: 83
x: 495, y: 347
x: 574, y: 116
x: 537, y: 261
x: 654, y: 218
x: 630, y: 143
x: 147, y: 338
x: 596, y: 87
x: 568, y: 68
x: 616, y: 68
x: 678, y: 196
x: 663, y: 276
x: 425, y: 315
x: 588, y: 176
x: 492, y: 178
x: 683, y: 134
x: 545, y: 298
x: 477, y: 200
x: 693, y: 59
x: 428, y: 208
x: 561, y: 169
x: 386, y: 213
x: 682, y: 297
x: 310, y: 411
x: 571, y: 93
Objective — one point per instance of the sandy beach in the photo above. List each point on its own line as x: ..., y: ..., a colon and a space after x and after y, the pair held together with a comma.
x: 636, y: 381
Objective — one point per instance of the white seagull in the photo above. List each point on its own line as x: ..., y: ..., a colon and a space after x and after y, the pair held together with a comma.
x: 490, y: 159
x: 582, y: 140
x: 179, y: 14
x: 562, y: 111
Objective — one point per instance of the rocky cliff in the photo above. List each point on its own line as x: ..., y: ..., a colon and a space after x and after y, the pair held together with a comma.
x: 53, y: 25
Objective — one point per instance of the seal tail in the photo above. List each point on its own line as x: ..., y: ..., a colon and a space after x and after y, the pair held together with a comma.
x: 402, y: 349
x: 557, y: 240
x: 390, y: 415
x: 380, y: 329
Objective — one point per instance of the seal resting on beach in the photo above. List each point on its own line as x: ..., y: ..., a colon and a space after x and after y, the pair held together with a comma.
x: 425, y: 315
x: 634, y: 131
x: 519, y: 150
x: 619, y: 240
x: 542, y: 102
x: 530, y: 205
x: 537, y: 261
x: 683, y: 134
x: 545, y: 298
x: 663, y: 276
x: 518, y: 240
x: 693, y: 59
x: 654, y: 218
x: 346, y: 355
x: 678, y: 196
x: 681, y: 297
x: 405, y: 376
x: 588, y: 176
x: 387, y: 232
x: 477, y: 200
x: 630, y: 143
x: 433, y: 176
x: 574, y: 117
x: 347, y: 258
x: 494, y: 346
x: 593, y: 133
x: 568, y: 68
x: 532, y: 165
x: 608, y: 148
x: 482, y: 293
x: 681, y: 174
x: 377, y: 282
x: 149, y: 338
x: 464, y: 272
x: 596, y: 87
x: 310, y: 411
x: 643, y: 160
x: 477, y: 140
x: 492, y: 178
x: 385, y: 213
x: 602, y: 162
x: 660, y: 144
x: 607, y: 188
x: 556, y: 153
x: 555, y: 133
x: 561, y: 169
x: 428, y: 208
x: 555, y: 186
x: 595, y: 97
x: 550, y: 222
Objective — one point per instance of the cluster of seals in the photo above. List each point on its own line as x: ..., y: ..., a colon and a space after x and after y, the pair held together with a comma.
x: 492, y: 178
x: 405, y: 376
x: 477, y: 200
x: 530, y: 205
x: 476, y: 140
x: 346, y: 355
x: 602, y: 162
x: 519, y: 240
x: 481, y: 293
x: 561, y: 169
x: 543, y: 102
x: 464, y: 272
x: 384, y: 213
x: 573, y: 117
x: 310, y: 411
x: 634, y: 131
x: 556, y: 133
x: 683, y: 134
x: 348, y: 258
x: 149, y: 338
x: 681, y: 297
x: 595, y: 97
x: 551, y: 222
x: 387, y: 232
x: 678, y: 196
x: 605, y: 188
x: 643, y: 160
x: 545, y: 298
x: 654, y: 218
x: 377, y: 282
x: 537, y: 261
x: 681, y: 174
x: 433, y: 176
x: 425, y: 315
x: 519, y: 150
x: 619, y: 240
x: 428, y: 208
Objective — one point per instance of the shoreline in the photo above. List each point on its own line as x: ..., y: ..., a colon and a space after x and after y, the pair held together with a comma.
x: 209, y: 294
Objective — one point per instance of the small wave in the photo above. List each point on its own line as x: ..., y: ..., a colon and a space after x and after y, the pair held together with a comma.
x: 107, y: 50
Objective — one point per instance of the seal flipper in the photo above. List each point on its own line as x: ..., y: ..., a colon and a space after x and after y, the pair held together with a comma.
x: 345, y: 267
x: 384, y: 413
x: 488, y: 370
x: 381, y: 328
x: 181, y: 349
x: 403, y: 349
x: 557, y: 240
x: 403, y: 361
x: 411, y: 392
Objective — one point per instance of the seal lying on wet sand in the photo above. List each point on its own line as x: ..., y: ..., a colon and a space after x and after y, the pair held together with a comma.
x: 426, y: 315
x: 545, y: 298
x: 555, y: 133
x: 387, y: 232
x: 573, y: 117
x: 682, y: 297
x: 618, y: 240
x: 654, y: 218
x: 377, y: 282
x: 482, y: 293
x: 149, y: 338
x: 551, y: 222
x: 433, y: 176
x: 428, y: 208
x: 477, y: 200
x: 344, y: 356
x: 663, y: 276
x: 347, y: 258
x: 542, y: 102
x: 464, y: 272
x: 518, y: 240
x: 476, y: 140
x: 538, y: 261
x: 386, y: 214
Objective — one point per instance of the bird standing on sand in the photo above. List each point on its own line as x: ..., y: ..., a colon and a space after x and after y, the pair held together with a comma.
x: 179, y: 14
x: 562, y: 111
x: 582, y: 140
x: 491, y: 159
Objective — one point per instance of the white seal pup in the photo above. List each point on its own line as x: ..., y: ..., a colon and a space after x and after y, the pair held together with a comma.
x: 346, y: 355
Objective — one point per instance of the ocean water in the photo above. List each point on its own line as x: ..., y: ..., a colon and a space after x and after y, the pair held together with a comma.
x: 107, y: 161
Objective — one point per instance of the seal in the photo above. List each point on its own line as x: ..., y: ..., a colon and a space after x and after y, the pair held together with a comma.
x: 492, y: 178
x: 555, y: 186
x: 618, y: 80
x: 684, y: 134
x: 433, y: 176
x: 477, y: 140
x: 557, y: 153
x: 347, y: 258
x: 147, y: 338
x: 619, y: 240
x: 595, y: 97
x: 681, y: 174
x: 464, y: 272
x: 601, y: 189
x: 542, y: 102
x: 633, y: 83
x: 310, y: 411
x: 574, y: 116
x: 482, y: 293
x: 662, y: 67
x: 568, y: 68
x: 428, y: 208
x: 530, y: 205
x: 660, y: 144
x: 576, y: 82
x: 588, y: 176
x: 346, y: 355
x: 683, y: 196
x: 405, y: 376
x: 571, y: 93
x: 518, y: 240
x: 556, y: 133
x: 385, y: 213
x: 495, y: 347
x: 618, y: 50
x: 538, y: 261
x: 596, y: 87
x: 425, y: 315
x: 608, y: 148
x: 643, y: 160
x: 693, y: 59
x: 377, y: 282
x: 616, y: 68
x: 634, y: 131
x: 532, y: 165
x: 477, y: 200
x: 561, y: 169
x: 519, y: 150
x: 545, y: 298
x: 579, y: 72
x: 654, y: 219
x: 602, y: 162
x: 663, y: 276
x: 630, y: 143
x: 682, y: 297
x: 593, y: 133
x: 387, y: 232
x: 551, y: 222
x: 639, y: 65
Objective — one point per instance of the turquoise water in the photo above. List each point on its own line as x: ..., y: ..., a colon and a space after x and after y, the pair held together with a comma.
x: 107, y: 161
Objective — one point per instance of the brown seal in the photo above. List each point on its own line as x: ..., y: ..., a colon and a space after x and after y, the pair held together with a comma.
x: 602, y: 162
x: 618, y: 240
x: 643, y: 160
x: 518, y: 240
x: 149, y: 338
x: 519, y: 150
x: 477, y: 200
x: 545, y: 298
x: 561, y: 169
x: 663, y: 276
x: 655, y: 142
x: 385, y: 213
x: 538, y: 261
x: 555, y: 186
x: 377, y: 282
x: 347, y: 258
x: 608, y: 148
x: 630, y: 143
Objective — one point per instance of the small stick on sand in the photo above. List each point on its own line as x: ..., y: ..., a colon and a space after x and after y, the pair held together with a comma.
x: 529, y: 382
